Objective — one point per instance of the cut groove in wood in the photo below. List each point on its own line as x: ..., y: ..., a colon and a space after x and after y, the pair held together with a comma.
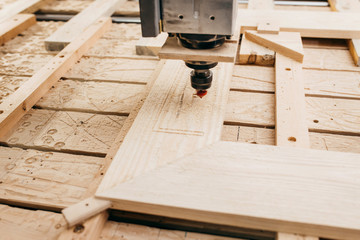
x: 22, y: 100
x: 69, y: 31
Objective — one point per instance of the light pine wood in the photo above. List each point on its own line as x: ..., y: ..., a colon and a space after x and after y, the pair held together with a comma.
x: 21, y: 6
x: 21, y: 101
x: 252, y: 53
x: 270, y: 28
x: 319, y: 141
x: 173, y: 50
x: 349, y: 6
x: 291, y: 127
x: 43, y: 179
x: 309, y: 24
x: 287, y: 236
x: 286, y: 43
x: 91, y: 229
x: 264, y: 4
x: 11, y: 27
x: 78, y: 24
x: 198, y: 124
x: 151, y: 46
x: 251, y: 173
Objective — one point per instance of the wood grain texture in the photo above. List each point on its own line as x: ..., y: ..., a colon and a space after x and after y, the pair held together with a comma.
x: 292, y: 175
x: 328, y: 115
x: 22, y: 224
x: 72, y: 132
x: 290, y: 120
x: 263, y: 136
x: 16, y: 106
x: 20, y: 6
x: 252, y: 53
x: 78, y: 24
x: 285, y: 43
x: 15, y: 25
x: 178, y: 98
x: 256, y: 4
x: 311, y: 24
x: 45, y: 179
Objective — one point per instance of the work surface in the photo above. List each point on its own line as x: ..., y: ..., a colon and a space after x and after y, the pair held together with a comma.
x: 55, y: 156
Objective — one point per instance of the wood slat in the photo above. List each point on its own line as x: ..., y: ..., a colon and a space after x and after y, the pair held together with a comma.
x: 78, y: 24
x: 16, y: 106
x: 15, y: 25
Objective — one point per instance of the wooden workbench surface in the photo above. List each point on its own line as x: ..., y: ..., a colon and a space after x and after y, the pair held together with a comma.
x: 54, y: 157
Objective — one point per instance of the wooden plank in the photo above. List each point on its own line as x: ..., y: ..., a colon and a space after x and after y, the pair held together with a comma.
x: 20, y: 6
x: 90, y: 230
x: 312, y: 24
x: 287, y: 236
x: 172, y: 50
x: 15, y: 25
x: 263, y: 136
x: 71, y: 132
x: 78, y: 24
x: 16, y: 106
x: 23, y: 224
x: 322, y: 83
x: 349, y: 6
x: 92, y: 97
x: 328, y: 115
x: 40, y: 179
x: 252, y: 53
x: 285, y: 43
x: 175, y: 97
x: 291, y: 126
x: 256, y: 4
x: 309, y: 175
x: 151, y: 46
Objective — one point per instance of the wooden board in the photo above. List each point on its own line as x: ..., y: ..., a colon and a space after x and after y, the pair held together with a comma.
x: 195, y: 122
x: 173, y: 50
x: 304, y: 177
x: 20, y: 6
x: 21, y: 101
x: 151, y: 46
x: 309, y: 24
x: 78, y: 24
x: 22, y: 224
x: 252, y: 53
x: 11, y: 27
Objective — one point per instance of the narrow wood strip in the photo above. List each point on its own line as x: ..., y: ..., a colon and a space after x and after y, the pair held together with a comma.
x: 13, y: 108
x: 74, y: 27
x: 291, y: 127
x: 21, y: 6
x: 15, y: 25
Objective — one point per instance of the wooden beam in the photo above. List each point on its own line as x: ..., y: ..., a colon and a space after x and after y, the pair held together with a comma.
x: 22, y: 100
x: 349, y: 6
x: 309, y: 24
x: 272, y: 188
x: 286, y: 43
x: 69, y: 31
x: 291, y: 123
x: 21, y: 6
x: 11, y: 27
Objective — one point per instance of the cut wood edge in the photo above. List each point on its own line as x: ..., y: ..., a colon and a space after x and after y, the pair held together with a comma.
x: 150, y: 46
x: 137, y: 196
x: 84, y: 210
x: 354, y: 47
x: 286, y: 43
x: 23, y: 99
x: 11, y: 27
